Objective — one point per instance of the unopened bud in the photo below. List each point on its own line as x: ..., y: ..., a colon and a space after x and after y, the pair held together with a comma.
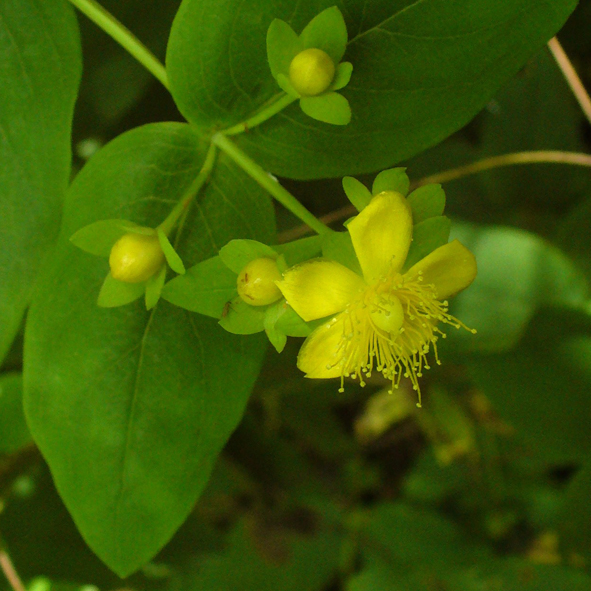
x: 256, y: 282
x: 311, y: 71
x: 136, y: 257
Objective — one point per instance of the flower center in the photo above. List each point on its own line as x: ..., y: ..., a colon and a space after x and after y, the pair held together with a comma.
x: 392, y: 328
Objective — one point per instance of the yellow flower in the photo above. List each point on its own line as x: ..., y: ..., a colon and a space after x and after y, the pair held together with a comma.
x: 386, y: 320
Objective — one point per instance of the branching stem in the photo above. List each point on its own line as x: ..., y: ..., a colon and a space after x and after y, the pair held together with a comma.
x: 571, y: 76
x: 269, y: 183
x: 275, y: 105
x: 110, y: 25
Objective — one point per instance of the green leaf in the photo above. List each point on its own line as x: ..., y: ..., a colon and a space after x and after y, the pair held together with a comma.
x: 116, y: 293
x: 342, y: 76
x: 39, y: 77
x: 412, y: 61
x: 541, y: 386
x: 337, y: 246
x: 130, y: 408
x: 206, y: 288
x: 282, y: 46
x: 273, y: 313
x: 393, y: 179
x: 299, y: 251
x: 172, y: 258
x: 518, y: 273
x: 327, y: 31
x: 242, y: 318
x: 98, y: 238
x: 426, y: 202
x: 238, y: 253
x: 426, y: 237
x: 331, y: 107
x: 154, y: 287
x: 14, y: 432
x: 357, y: 193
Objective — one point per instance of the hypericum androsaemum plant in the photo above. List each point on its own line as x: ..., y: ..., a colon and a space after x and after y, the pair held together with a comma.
x: 131, y: 403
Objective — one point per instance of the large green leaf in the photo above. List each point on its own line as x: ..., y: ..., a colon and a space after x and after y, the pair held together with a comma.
x: 518, y: 272
x: 130, y: 408
x: 13, y: 428
x: 542, y: 386
x: 421, y: 70
x: 39, y: 74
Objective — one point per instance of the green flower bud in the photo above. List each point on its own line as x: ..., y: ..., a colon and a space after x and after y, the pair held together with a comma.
x: 256, y: 282
x: 136, y: 257
x: 311, y: 72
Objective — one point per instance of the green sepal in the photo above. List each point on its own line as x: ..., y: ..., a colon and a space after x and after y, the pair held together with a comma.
x: 242, y: 318
x: 393, y: 179
x: 426, y: 202
x: 283, y: 45
x: 426, y: 237
x: 172, y: 258
x: 154, y: 287
x: 342, y: 76
x: 115, y: 293
x: 357, y: 193
x: 291, y: 324
x: 98, y: 238
x: 327, y: 31
x: 301, y: 250
x: 206, y: 288
x: 286, y: 86
x: 276, y: 337
x: 132, y: 227
x: 338, y: 246
x: 238, y: 253
x: 331, y: 107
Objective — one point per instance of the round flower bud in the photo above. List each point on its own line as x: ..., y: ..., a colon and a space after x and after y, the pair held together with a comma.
x: 311, y: 71
x: 135, y: 258
x: 256, y: 282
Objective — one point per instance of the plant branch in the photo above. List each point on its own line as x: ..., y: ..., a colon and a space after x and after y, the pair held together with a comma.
x: 110, y: 25
x: 183, y: 204
x: 9, y: 571
x: 275, y: 105
x: 269, y: 183
x: 571, y: 76
x: 535, y: 157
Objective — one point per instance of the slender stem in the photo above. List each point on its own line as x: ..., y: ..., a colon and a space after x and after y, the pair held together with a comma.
x: 10, y: 572
x: 276, y: 105
x: 571, y: 76
x: 269, y: 183
x: 110, y: 25
x: 539, y: 156
x: 183, y: 204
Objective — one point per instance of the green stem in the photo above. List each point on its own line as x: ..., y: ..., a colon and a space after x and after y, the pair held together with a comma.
x: 276, y: 105
x: 110, y: 25
x: 269, y: 183
x: 181, y: 207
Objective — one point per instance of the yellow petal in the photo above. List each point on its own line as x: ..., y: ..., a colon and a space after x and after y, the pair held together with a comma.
x: 320, y: 288
x: 451, y: 268
x: 381, y: 235
x: 320, y: 356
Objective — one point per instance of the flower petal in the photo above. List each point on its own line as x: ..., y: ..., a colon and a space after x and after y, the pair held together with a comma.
x: 319, y: 288
x: 381, y: 235
x: 451, y: 268
x: 320, y: 355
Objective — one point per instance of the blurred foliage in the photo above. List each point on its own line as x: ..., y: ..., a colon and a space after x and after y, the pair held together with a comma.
x: 486, y: 487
